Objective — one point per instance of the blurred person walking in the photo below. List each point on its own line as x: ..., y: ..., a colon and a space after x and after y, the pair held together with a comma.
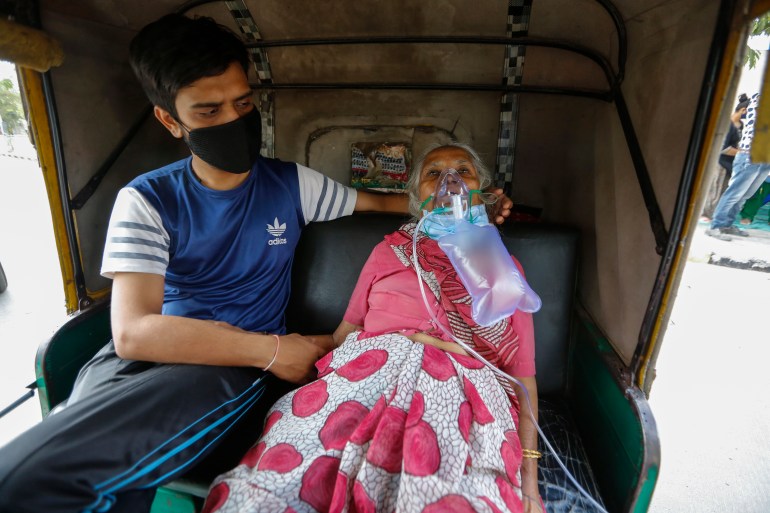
x: 726, y: 157
x: 746, y: 179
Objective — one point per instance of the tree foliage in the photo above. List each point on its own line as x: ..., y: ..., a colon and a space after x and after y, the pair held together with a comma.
x: 11, y: 111
x: 759, y: 27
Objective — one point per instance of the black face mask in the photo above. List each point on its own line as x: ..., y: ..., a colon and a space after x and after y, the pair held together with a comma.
x: 232, y: 147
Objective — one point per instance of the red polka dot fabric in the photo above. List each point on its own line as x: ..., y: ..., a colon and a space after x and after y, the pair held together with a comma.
x: 391, y: 425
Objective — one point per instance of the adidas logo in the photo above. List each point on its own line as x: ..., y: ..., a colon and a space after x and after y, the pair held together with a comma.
x: 276, y: 230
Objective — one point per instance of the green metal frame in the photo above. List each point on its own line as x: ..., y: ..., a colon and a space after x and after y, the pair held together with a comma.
x: 60, y: 359
x: 57, y: 364
x: 614, y: 420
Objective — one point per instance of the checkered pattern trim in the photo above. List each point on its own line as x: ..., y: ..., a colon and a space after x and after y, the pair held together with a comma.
x: 513, y: 70
x: 506, y: 141
x: 267, y: 109
x: 250, y: 31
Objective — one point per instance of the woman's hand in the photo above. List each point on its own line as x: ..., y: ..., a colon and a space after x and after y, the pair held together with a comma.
x: 528, y: 439
x: 325, y: 342
x: 343, y: 330
x: 532, y: 503
x: 530, y: 495
x: 423, y: 338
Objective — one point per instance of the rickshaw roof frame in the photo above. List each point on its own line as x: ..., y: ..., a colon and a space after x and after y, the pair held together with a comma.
x: 607, y: 5
x: 612, y: 78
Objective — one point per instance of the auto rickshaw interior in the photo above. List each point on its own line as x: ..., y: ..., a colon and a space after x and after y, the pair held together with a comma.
x: 596, y: 116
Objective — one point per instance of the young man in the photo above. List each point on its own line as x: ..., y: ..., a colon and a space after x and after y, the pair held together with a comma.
x: 200, y: 253
x: 726, y: 158
x: 747, y: 178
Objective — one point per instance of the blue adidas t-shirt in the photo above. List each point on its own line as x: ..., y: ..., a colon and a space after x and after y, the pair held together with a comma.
x: 225, y: 255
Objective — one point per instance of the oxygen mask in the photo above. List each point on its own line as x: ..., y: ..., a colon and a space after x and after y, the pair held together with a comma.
x: 452, y: 196
x: 452, y: 206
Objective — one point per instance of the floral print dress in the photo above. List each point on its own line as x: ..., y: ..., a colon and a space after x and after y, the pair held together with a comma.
x: 390, y: 425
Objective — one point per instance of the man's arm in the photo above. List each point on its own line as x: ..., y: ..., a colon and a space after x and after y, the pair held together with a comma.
x: 399, y: 204
x: 141, y: 332
x: 372, y: 202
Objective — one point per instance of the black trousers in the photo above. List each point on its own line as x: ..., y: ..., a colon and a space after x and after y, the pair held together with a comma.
x: 129, y: 427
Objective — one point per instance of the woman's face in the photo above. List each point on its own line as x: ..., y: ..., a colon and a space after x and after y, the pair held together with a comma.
x: 441, y: 159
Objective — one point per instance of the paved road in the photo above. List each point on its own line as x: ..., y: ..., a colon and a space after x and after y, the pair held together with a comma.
x: 710, y: 398
x: 33, y: 305
x: 751, y: 252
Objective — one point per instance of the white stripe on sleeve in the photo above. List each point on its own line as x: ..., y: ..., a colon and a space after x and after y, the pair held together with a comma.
x: 322, y: 198
x: 136, y: 238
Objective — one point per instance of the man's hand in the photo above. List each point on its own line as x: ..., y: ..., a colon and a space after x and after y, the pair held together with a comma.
x: 295, y: 360
x: 501, y: 209
x: 296, y: 356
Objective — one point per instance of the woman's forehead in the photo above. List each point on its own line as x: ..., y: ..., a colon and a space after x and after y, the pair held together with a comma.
x: 442, y: 155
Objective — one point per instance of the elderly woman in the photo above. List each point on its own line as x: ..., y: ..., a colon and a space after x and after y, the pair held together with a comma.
x: 401, y: 418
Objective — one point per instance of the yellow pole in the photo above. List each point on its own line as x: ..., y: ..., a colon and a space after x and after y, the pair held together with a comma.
x: 32, y: 87
x: 760, y: 148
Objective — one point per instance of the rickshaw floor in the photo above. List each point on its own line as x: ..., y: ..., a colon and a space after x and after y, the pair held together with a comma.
x: 558, y: 493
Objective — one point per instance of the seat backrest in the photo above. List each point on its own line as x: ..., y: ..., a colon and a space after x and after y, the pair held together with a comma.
x: 60, y: 358
x: 330, y: 256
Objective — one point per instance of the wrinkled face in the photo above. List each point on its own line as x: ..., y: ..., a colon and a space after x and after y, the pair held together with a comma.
x: 443, y: 158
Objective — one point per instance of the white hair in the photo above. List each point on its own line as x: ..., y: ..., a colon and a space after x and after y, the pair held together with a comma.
x: 413, y: 184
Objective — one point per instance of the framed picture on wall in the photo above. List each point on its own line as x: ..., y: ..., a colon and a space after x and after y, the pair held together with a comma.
x: 381, y: 166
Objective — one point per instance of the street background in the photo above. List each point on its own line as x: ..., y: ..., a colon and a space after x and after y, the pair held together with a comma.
x: 33, y: 305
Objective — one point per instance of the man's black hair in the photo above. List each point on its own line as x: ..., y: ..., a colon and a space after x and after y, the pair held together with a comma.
x: 175, y: 51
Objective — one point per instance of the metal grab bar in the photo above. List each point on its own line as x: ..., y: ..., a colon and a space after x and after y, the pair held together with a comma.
x: 21, y: 400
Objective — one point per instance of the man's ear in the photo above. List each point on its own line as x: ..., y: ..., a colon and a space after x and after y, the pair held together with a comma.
x: 169, y: 122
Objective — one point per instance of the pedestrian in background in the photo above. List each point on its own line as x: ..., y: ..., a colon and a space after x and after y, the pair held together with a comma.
x: 746, y: 179
x: 726, y: 157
